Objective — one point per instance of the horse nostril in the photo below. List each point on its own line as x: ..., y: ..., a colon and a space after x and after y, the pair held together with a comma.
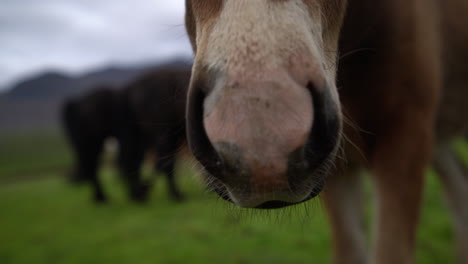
x: 324, y: 136
x: 230, y: 159
x: 197, y: 138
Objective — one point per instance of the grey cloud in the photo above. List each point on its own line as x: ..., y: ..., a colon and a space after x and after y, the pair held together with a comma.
x: 77, y: 34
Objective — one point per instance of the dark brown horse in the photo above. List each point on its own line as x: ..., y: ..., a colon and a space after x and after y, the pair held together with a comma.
x: 146, y: 115
x: 88, y: 121
x: 279, y: 86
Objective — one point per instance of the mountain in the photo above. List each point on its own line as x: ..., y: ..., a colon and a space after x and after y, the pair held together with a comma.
x: 34, y: 103
x: 42, y: 86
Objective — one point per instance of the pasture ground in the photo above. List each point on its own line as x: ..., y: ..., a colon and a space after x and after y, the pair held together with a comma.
x: 45, y: 220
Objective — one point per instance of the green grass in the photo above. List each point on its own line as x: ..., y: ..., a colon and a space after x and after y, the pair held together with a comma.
x: 44, y: 220
x: 28, y: 154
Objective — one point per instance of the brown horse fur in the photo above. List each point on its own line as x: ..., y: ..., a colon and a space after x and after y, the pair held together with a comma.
x: 391, y: 75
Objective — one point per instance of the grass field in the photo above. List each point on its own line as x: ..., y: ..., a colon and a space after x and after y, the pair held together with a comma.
x: 45, y: 220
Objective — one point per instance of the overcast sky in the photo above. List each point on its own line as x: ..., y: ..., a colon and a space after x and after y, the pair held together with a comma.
x: 76, y: 35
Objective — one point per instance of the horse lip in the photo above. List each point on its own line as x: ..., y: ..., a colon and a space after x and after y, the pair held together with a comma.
x: 222, y: 192
x: 281, y: 204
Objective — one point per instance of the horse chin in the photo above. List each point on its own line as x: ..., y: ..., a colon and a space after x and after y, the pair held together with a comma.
x: 219, y: 188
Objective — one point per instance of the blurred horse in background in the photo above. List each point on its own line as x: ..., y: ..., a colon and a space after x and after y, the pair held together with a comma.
x: 88, y: 121
x: 147, y: 115
x: 287, y: 92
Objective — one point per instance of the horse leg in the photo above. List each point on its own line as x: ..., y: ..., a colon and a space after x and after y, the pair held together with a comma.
x: 399, y: 161
x: 76, y: 175
x: 99, y: 195
x: 453, y: 175
x: 166, y: 164
x: 86, y: 151
x: 344, y: 204
x: 88, y: 169
x: 131, y: 155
